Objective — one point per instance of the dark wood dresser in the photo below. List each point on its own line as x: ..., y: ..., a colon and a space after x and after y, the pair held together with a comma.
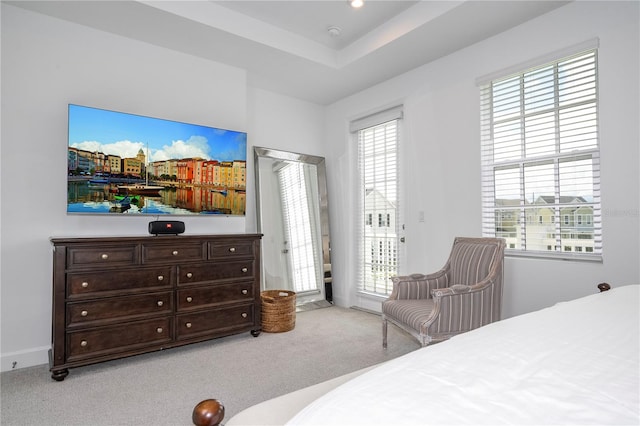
x: 123, y: 296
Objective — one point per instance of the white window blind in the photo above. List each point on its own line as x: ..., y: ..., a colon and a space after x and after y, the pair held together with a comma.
x: 540, y: 159
x: 301, y: 230
x: 378, y: 242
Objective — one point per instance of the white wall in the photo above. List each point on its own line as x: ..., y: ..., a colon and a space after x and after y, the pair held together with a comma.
x: 48, y: 63
x: 440, y: 155
x: 284, y: 123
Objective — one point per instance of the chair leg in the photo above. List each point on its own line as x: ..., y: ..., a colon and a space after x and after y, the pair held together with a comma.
x: 384, y: 332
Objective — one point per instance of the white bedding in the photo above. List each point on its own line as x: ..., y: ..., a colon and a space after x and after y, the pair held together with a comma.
x: 574, y: 363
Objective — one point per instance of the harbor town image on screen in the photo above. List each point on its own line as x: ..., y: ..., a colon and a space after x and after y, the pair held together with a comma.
x: 121, y: 163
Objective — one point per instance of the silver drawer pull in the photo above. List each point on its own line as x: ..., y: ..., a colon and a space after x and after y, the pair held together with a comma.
x: 244, y: 269
x: 232, y: 249
x: 104, y: 256
x: 159, y: 329
x: 175, y: 252
x: 245, y: 291
x: 160, y: 303
x: 244, y: 315
x: 84, y: 343
x: 85, y: 284
x: 188, y: 325
x: 84, y: 313
x: 189, y: 275
x: 160, y: 277
x: 189, y: 299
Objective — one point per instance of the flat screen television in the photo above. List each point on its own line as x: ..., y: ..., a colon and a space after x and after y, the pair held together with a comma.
x: 127, y: 164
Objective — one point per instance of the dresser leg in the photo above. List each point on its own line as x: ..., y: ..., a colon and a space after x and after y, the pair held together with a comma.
x: 59, y: 375
x: 255, y: 333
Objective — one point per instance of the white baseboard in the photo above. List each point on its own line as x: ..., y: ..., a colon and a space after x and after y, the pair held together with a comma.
x: 24, y: 359
x: 369, y: 311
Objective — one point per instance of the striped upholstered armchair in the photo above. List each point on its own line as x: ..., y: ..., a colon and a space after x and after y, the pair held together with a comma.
x: 465, y: 294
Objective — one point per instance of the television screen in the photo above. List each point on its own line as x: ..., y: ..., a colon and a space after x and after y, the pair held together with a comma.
x: 123, y: 164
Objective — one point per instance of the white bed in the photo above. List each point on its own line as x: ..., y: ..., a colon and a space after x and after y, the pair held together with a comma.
x: 574, y: 363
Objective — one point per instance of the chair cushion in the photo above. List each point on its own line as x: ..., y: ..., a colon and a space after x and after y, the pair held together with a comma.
x: 412, y: 313
x: 471, y: 262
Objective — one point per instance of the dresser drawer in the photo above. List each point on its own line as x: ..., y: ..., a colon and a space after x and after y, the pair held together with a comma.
x: 214, y: 321
x: 81, y: 284
x: 205, y: 273
x: 230, y: 249
x: 117, y: 309
x: 159, y: 253
x: 118, y: 255
x: 202, y: 297
x: 102, y: 341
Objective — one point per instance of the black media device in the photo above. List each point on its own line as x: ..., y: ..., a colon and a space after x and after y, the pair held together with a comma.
x: 166, y: 227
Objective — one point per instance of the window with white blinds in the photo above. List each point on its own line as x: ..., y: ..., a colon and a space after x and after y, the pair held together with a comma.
x: 378, y: 240
x: 540, y: 159
x: 301, y: 230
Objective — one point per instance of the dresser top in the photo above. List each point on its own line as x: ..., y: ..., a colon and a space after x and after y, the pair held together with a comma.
x: 148, y: 238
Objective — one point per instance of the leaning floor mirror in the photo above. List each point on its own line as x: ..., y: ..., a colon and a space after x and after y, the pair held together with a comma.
x: 292, y: 211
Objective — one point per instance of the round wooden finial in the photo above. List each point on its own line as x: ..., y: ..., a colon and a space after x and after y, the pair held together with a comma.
x: 603, y: 287
x: 209, y: 412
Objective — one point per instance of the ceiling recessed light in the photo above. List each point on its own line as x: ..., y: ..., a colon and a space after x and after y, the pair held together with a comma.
x: 356, y: 3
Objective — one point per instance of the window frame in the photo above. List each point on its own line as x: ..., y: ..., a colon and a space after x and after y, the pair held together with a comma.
x: 386, y: 221
x: 490, y: 207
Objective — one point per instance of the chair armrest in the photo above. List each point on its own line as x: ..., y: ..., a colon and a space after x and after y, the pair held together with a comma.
x: 461, y: 288
x: 417, y: 286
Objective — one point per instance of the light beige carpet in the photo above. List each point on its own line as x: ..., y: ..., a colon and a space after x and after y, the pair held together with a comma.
x: 161, y: 388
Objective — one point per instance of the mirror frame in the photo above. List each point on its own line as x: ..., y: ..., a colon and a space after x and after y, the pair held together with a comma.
x: 323, y: 203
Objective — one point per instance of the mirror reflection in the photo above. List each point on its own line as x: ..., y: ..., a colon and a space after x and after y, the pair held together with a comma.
x: 293, y: 217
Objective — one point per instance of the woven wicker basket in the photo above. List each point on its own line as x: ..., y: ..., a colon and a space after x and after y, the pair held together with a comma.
x: 278, y: 310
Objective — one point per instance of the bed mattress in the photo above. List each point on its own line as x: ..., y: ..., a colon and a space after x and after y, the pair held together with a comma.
x: 574, y: 363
